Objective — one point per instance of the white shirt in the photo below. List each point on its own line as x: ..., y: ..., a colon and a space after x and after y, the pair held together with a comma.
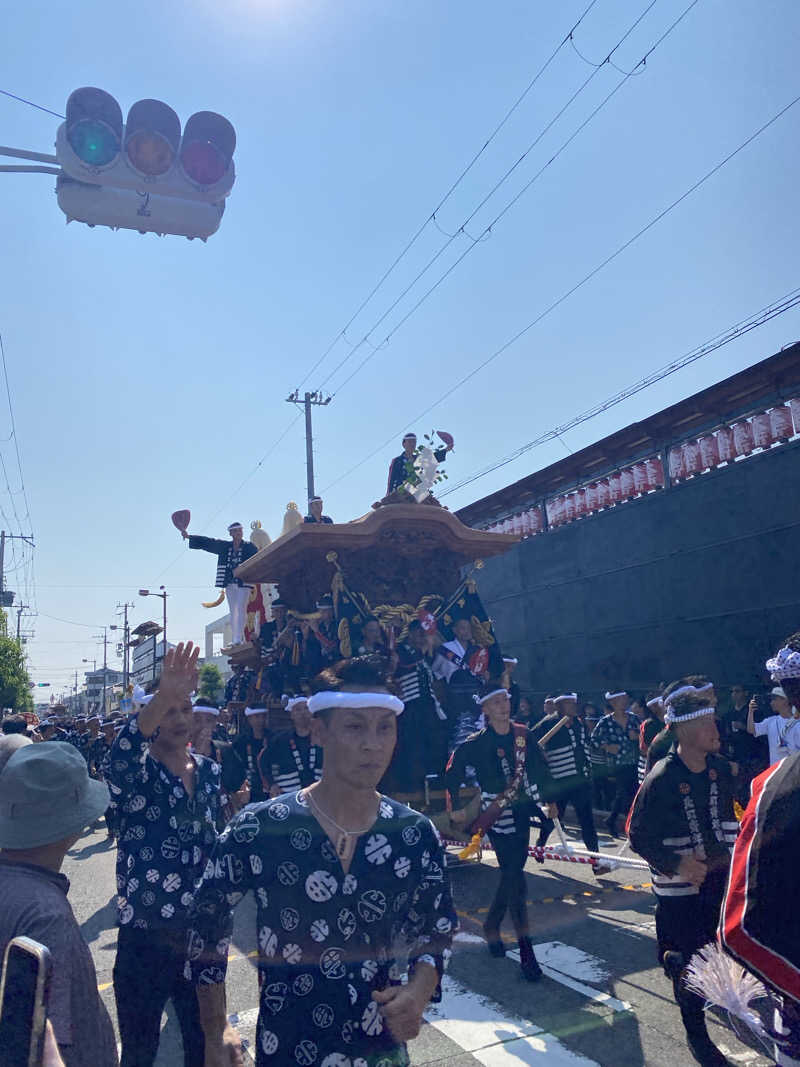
x: 783, y: 736
x: 445, y: 668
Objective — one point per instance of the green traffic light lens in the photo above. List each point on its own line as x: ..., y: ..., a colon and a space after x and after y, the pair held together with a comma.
x: 93, y: 142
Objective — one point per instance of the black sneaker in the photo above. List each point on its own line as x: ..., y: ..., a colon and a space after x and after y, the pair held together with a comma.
x: 494, y: 943
x: 529, y: 965
x: 673, y: 963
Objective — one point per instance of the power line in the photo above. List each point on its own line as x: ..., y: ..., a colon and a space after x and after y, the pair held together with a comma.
x: 578, y: 285
x: 462, y: 229
x: 30, y: 103
x: 432, y: 216
x: 771, y: 311
x: 490, y: 227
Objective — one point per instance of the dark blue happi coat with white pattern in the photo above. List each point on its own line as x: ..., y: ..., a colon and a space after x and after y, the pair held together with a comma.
x: 326, y: 939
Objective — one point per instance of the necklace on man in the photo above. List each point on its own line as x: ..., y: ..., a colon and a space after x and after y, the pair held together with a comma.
x: 343, y: 844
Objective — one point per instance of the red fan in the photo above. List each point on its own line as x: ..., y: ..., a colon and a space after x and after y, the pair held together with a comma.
x: 181, y: 519
x: 446, y: 437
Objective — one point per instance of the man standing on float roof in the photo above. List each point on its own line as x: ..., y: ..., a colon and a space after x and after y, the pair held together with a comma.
x: 230, y: 554
x: 399, y: 467
x: 682, y: 822
x: 351, y: 891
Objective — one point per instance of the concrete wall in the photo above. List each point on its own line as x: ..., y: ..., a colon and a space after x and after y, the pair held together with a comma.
x: 703, y: 577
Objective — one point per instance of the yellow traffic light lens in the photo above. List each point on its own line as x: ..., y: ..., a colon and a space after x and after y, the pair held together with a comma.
x: 149, y: 153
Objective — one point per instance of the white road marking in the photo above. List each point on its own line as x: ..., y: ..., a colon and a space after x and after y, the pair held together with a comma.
x: 485, y: 1030
x: 579, y: 987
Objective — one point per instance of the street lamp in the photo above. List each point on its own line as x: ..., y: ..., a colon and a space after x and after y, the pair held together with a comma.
x: 163, y: 595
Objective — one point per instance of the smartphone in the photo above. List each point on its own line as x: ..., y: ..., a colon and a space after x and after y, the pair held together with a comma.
x: 24, y: 992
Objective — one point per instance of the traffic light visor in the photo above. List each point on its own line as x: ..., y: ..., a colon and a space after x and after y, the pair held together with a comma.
x: 209, y: 141
x: 94, y: 126
x: 152, y: 136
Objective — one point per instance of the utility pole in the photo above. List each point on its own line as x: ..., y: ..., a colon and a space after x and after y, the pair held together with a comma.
x: 3, y: 538
x: 316, y: 399
x: 20, y: 609
x: 105, y: 671
x: 126, y: 636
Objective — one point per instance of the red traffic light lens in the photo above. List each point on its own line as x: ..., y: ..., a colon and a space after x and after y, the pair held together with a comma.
x: 149, y: 153
x: 203, y: 163
x: 93, y: 142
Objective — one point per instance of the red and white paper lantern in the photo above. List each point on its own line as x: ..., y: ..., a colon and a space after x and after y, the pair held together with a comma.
x: 626, y: 483
x: 726, y: 446
x: 614, y: 488
x: 569, y: 508
x: 655, y: 472
x: 691, y: 458
x: 580, y: 504
x: 591, y: 497
x: 677, y: 471
x: 762, y: 431
x: 794, y: 407
x: 781, y: 422
x: 709, y: 452
x: 604, y: 493
x: 743, y: 439
x: 641, y: 483
x: 535, y: 520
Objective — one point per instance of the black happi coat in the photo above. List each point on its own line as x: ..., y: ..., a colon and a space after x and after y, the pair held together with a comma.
x: 228, y: 559
x: 678, y: 813
x: 492, y: 756
x: 290, y: 762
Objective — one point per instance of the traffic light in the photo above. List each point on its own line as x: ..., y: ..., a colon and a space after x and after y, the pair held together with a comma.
x: 143, y: 174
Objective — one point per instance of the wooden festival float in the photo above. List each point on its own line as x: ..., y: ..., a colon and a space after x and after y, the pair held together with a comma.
x: 399, y: 562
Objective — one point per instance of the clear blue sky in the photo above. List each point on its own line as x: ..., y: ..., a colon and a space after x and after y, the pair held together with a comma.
x: 150, y: 374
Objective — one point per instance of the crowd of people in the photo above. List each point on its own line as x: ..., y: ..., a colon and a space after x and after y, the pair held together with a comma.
x: 208, y: 802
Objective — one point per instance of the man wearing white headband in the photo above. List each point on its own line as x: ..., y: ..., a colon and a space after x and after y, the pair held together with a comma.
x: 249, y: 744
x: 291, y: 761
x: 682, y: 822
x: 350, y: 891
x: 230, y: 554
x: 568, y: 758
x: 616, y: 736
x: 511, y: 772
x: 169, y: 803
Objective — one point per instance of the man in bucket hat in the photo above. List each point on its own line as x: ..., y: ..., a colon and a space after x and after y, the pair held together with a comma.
x: 46, y: 799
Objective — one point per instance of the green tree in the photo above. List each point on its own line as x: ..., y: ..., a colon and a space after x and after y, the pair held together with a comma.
x: 14, y: 681
x: 211, y: 684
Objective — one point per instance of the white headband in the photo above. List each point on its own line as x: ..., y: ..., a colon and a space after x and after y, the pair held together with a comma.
x: 670, y: 716
x: 510, y: 659
x: 565, y: 696
x: 255, y: 711
x: 140, y: 698
x: 205, y: 709
x: 655, y: 702
x: 292, y: 702
x: 684, y: 689
x: 488, y: 696
x: 322, y: 701
x: 786, y: 664
x: 613, y: 696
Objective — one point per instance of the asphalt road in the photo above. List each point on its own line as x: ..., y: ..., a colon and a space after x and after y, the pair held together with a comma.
x: 603, y: 999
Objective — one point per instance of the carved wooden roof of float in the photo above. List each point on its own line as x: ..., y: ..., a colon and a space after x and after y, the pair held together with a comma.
x: 395, y: 554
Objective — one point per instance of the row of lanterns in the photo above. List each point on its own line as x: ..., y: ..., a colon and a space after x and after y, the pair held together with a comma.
x: 685, y: 460
x: 730, y: 442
